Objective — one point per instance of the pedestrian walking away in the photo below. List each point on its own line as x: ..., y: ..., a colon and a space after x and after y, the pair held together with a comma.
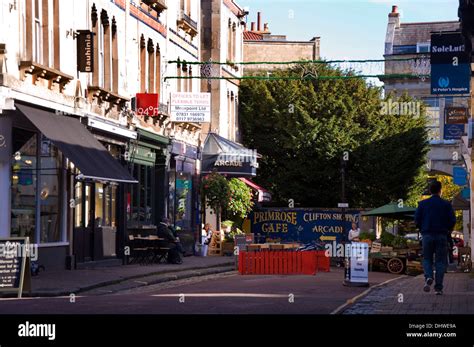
x: 436, y: 219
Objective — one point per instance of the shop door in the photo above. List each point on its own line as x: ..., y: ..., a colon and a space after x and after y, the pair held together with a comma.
x: 83, y: 222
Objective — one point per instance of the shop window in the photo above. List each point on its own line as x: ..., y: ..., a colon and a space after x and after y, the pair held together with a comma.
x: 105, y: 204
x: 36, y: 188
x: 78, y: 205
x: 183, y: 201
x: 50, y: 198
x: 142, y: 209
x: 24, y: 182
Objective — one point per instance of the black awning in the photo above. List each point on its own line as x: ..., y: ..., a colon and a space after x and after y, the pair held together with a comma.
x: 227, y: 157
x: 78, y: 145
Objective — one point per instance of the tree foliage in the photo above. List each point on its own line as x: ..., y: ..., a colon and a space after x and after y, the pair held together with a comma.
x: 303, y: 127
x: 240, y: 201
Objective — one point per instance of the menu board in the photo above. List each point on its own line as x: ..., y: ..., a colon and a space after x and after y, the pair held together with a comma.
x: 13, y: 260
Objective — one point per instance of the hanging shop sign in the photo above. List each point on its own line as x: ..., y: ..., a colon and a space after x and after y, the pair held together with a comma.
x: 85, y: 51
x: 450, y: 65
x: 15, y: 265
x: 191, y: 107
x: 302, y: 225
x: 453, y: 131
x: 459, y: 176
x: 147, y: 104
x: 457, y: 115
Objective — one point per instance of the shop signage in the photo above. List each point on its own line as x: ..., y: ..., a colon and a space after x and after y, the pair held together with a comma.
x: 450, y: 65
x: 453, y: 131
x: 242, y: 241
x: 232, y: 164
x: 466, y: 193
x: 457, y: 115
x: 147, y: 104
x: 359, y: 263
x: 459, y: 176
x: 302, y: 225
x: 85, y: 51
x: 14, y: 265
x: 191, y: 107
x: 376, y: 247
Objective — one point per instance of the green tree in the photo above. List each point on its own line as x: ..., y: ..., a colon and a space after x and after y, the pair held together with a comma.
x: 302, y: 128
x: 215, y: 191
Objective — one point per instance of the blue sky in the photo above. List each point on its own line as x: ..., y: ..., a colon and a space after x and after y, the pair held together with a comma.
x: 349, y: 29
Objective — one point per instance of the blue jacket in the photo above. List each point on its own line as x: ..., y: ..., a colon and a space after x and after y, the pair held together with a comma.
x: 435, y: 216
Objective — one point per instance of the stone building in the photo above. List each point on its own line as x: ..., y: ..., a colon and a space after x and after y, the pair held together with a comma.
x: 79, y: 168
x: 222, y: 41
x: 413, y: 41
x: 260, y: 45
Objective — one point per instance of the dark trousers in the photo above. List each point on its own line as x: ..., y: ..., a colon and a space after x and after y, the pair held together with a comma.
x: 435, y: 245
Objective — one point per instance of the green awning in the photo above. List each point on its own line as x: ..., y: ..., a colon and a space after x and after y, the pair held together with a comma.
x: 149, y: 136
x: 392, y: 210
x: 143, y: 155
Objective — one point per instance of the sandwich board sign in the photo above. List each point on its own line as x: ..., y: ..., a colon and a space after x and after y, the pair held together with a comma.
x: 15, y: 265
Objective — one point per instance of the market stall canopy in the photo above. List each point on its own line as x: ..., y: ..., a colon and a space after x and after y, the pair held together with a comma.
x: 263, y: 194
x: 78, y: 145
x: 392, y: 210
x: 227, y: 157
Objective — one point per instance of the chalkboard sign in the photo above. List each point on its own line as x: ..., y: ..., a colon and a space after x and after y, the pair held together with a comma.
x: 241, y: 241
x: 14, y: 259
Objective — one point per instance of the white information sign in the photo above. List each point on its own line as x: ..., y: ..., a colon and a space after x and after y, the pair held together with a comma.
x: 191, y: 107
x: 359, y: 260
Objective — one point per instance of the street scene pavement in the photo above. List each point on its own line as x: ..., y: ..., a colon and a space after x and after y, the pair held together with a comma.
x: 406, y: 296
x: 228, y: 293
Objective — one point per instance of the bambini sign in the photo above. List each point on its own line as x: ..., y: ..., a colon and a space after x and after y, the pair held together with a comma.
x: 302, y: 225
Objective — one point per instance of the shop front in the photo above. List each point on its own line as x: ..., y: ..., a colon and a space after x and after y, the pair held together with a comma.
x: 183, y: 193
x: 54, y: 175
x: 99, y: 202
x: 231, y: 160
x: 146, y: 202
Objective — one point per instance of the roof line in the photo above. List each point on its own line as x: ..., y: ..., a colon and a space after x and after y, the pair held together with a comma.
x: 439, y: 22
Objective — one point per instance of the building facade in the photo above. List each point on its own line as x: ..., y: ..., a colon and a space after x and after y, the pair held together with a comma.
x: 222, y: 41
x: 413, y: 41
x: 260, y: 45
x: 55, y: 186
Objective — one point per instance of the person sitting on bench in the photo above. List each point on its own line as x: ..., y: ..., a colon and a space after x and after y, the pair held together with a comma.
x: 170, y: 241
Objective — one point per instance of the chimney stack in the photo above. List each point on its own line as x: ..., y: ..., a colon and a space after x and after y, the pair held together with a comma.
x: 252, y: 26
x: 259, y: 21
x: 265, y: 27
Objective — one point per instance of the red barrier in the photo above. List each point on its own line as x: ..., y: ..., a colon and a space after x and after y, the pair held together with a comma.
x: 282, y: 262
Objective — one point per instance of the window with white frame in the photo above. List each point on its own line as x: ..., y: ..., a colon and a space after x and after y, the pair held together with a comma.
x: 424, y: 47
x: 37, y: 32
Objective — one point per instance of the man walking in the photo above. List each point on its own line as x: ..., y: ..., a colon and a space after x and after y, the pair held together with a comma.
x: 435, y: 218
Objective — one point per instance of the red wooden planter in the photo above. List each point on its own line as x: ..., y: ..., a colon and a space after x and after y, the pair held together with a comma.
x: 282, y: 262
